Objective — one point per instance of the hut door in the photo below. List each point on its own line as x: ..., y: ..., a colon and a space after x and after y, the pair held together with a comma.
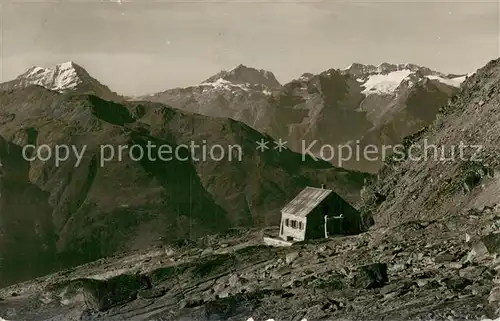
x: 324, y: 210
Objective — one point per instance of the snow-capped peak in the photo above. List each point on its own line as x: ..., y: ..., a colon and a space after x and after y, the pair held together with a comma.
x: 386, y: 77
x: 242, y: 74
x: 61, y: 77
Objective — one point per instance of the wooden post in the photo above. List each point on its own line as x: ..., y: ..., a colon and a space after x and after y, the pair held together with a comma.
x: 326, y: 229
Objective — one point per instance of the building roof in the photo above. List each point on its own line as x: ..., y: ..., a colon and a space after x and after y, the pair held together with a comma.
x: 306, y: 201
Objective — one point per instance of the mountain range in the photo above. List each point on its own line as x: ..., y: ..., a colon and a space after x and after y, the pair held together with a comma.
x: 58, y: 215
x: 359, y: 106
x: 431, y: 254
x: 80, y: 213
x: 374, y: 105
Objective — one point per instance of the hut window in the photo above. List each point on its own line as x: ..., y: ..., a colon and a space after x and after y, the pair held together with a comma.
x: 301, y: 226
x: 294, y: 224
x: 287, y: 222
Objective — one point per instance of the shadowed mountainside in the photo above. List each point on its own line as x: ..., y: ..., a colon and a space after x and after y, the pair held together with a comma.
x: 446, y: 181
x: 58, y: 215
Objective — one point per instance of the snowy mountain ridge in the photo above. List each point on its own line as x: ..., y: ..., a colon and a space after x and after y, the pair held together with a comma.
x: 382, y: 79
x: 335, y: 106
x: 61, y: 77
x: 242, y: 74
x: 64, y: 77
x: 360, y: 69
x: 385, y: 78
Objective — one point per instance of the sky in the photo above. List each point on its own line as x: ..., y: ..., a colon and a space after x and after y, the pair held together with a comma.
x: 146, y: 46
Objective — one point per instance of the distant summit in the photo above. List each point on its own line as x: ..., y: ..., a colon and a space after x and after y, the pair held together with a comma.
x: 61, y: 77
x: 246, y: 75
x: 386, y: 77
x: 65, y: 77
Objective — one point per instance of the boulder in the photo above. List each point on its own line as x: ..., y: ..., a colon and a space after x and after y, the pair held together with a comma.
x: 290, y: 257
x: 371, y: 276
x: 234, y: 280
x: 152, y: 293
x: 457, y: 283
x: 494, y: 296
x: 101, y: 295
x: 491, y: 243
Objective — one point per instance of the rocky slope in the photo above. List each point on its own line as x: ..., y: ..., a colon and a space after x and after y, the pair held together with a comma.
x: 94, y: 203
x: 455, y: 161
x: 64, y: 77
x: 414, y: 271
x: 373, y: 104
